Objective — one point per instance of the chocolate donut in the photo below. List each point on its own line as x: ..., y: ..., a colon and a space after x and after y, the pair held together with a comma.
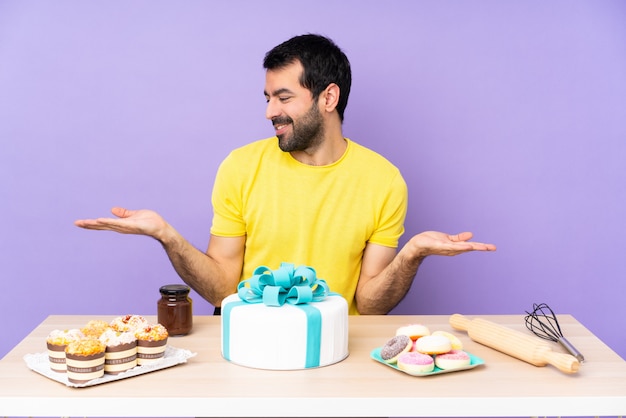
x: 394, y: 347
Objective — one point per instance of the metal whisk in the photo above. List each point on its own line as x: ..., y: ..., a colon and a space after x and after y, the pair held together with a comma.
x: 543, y: 323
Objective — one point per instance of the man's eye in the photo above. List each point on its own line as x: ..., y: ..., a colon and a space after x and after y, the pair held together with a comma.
x: 284, y: 99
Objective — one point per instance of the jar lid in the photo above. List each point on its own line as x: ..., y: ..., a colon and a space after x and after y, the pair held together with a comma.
x: 174, y: 289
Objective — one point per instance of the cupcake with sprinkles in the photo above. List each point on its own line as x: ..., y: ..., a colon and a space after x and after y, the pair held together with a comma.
x: 121, y: 351
x: 56, y: 342
x: 151, y: 342
x: 85, y: 360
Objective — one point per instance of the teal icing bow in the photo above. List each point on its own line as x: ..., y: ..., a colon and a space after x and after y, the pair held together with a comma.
x: 285, y: 285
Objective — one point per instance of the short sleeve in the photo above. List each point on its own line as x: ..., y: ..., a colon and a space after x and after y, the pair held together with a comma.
x: 227, y: 200
x: 394, y: 208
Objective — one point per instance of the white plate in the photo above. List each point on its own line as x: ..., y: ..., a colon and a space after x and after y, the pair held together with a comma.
x: 173, y: 356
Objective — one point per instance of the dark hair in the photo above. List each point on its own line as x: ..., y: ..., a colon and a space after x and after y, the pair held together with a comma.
x: 323, y: 62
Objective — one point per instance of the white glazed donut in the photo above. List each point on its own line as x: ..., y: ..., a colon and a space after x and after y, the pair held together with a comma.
x: 454, y: 341
x: 452, y: 360
x: 432, y: 344
x: 413, y: 331
x: 416, y: 363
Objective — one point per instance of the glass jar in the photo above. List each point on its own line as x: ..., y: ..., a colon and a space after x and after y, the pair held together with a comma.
x: 174, y: 310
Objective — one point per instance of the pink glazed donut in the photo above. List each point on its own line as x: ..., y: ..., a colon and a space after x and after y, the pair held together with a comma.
x: 415, y: 363
x: 452, y: 360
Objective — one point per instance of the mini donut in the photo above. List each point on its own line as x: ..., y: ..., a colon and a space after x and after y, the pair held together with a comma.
x: 416, y: 363
x: 413, y: 331
x: 452, y: 360
x: 432, y: 344
x: 454, y: 341
x: 394, y: 347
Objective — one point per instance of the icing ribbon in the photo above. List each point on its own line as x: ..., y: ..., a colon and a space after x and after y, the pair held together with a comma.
x: 284, y: 285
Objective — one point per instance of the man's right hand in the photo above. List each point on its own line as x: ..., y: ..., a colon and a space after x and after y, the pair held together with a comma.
x: 139, y: 222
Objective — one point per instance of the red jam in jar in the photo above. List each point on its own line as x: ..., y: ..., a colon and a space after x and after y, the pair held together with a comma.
x: 174, y: 310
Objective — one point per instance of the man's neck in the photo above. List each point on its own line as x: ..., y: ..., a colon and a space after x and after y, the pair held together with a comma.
x: 330, y: 150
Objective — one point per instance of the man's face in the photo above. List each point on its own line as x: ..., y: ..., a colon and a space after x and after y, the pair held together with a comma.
x: 296, y: 117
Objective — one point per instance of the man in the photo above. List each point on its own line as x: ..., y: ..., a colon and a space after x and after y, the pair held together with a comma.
x: 307, y: 196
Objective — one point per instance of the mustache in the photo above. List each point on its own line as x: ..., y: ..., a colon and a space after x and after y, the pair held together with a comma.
x: 282, y: 120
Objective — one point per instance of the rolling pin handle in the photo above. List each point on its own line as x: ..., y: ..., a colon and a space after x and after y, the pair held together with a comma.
x: 459, y: 322
x: 564, y: 362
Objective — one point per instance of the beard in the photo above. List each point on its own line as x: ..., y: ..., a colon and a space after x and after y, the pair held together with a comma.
x: 307, y: 132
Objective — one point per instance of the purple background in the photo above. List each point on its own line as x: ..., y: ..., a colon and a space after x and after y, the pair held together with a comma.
x: 507, y: 119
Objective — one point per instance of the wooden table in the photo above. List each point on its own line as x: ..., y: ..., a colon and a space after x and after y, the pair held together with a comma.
x: 207, y: 385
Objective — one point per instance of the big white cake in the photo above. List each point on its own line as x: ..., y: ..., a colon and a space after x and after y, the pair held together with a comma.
x: 286, y: 337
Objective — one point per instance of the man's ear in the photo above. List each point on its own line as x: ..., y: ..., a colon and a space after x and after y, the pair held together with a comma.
x: 330, y: 97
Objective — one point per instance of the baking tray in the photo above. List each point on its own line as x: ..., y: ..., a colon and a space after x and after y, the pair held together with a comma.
x: 173, y: 356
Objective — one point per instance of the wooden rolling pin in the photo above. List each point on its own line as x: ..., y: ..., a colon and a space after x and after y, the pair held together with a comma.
x: 514, y: 343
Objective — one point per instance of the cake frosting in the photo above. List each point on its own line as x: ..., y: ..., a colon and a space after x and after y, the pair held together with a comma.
x: 270, y: 325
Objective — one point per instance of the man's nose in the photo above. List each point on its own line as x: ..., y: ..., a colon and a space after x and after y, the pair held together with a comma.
x: 271, y: 110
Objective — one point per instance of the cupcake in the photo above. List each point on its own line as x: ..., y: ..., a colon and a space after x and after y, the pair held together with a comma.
x: 121, y: 351
x: 95, y: 328
x: 151, y: 341
x: 129, y: 323
x: 85, y: 360
x: 56, y: 342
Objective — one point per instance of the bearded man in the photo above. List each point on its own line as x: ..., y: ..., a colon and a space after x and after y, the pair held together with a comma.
x: 306, y: 196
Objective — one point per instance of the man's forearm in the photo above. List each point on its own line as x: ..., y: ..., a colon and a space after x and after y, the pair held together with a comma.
x: 196, y: 268
x: 387, y: 289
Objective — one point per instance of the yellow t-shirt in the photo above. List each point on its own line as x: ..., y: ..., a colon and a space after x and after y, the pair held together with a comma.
x: 318, y: 216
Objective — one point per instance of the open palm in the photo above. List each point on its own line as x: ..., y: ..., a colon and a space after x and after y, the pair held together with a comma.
x: 139, y: 222
x: 439, y: 243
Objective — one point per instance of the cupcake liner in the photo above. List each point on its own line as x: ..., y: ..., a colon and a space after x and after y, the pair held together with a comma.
x: 82, y: 369
x: 150, y: 351
x: 56, y: 356
x: 119, y: 358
